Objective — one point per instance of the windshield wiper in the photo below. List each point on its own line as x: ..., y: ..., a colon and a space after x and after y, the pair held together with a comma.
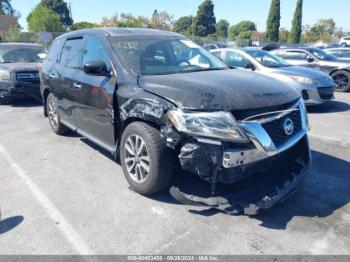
x: 206, y: 69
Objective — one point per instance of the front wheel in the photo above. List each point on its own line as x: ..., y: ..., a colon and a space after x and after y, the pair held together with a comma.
x: 146, y: 161
x: 342, y: 80
x: 54, y: 117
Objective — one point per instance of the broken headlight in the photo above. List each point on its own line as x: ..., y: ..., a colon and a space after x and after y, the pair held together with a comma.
x: 219, y: 125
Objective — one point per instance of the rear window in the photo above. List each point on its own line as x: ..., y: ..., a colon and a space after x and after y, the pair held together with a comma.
x: 71, y: 53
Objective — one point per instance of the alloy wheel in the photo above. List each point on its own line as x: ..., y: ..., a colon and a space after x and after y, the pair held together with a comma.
x: 341, y: 81
x: 52, y: 113
x: 137, y: 160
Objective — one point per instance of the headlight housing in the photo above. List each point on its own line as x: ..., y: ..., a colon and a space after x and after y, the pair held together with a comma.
x: 303, y: 80
x: 218, y: 125
x: 4, y: 75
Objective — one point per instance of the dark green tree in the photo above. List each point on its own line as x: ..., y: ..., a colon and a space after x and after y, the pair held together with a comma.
x: 43, y: 19
x: 273, y: 21
x: 241, y: 28
x: 82, y: 25
x: 222, y: 28
x: 61, y: 8
x: 297, y: 27
x: 205, y: 21
x: 6, y: 8
x: 184, y: 25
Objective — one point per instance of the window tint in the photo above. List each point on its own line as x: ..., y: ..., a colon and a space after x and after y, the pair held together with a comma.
x: 236, y: 60
x: 296, y: 55
x: 94, y: 51
x: 55, y: 50
x: 71, y: 54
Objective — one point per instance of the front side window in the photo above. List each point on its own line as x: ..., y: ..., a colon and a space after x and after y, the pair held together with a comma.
x: 21, y: 54
x: 94, y: 51
x: 320, y: 54
x: 71, y: 54
x: 267, y: 59
x: 152, y: 55
x: 236, y: 60
x: 217, y: 54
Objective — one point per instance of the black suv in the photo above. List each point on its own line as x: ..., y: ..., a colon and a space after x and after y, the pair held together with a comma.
x: 19, y: 70
x: 158, y: 101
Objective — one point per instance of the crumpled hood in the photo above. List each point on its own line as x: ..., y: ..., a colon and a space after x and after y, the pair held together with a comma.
x: 225, y: 90
x: 301, y: 71
x: 18, y: 67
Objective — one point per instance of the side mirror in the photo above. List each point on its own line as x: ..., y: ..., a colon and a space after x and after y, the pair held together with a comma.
x: 96, y: 68
x: 310, y: 59
x: 250, y: 66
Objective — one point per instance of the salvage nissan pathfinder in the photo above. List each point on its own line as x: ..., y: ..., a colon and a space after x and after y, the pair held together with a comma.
x: 157, y: 101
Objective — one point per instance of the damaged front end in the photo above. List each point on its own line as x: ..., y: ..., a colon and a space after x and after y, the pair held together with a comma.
x: 259, y: 162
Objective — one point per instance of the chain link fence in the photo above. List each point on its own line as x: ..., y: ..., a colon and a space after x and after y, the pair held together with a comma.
x: 42, y: 38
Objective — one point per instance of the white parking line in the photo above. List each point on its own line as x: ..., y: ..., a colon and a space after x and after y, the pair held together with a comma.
x: 63, y: 225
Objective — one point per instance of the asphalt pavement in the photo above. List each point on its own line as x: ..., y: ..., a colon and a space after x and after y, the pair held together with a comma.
x: 63, y: 195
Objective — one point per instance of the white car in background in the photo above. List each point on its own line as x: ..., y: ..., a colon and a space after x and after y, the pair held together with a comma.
x: 345, y: 41
x: 315, y: 86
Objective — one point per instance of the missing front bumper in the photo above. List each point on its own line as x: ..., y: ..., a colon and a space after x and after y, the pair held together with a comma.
x: 256, y: 187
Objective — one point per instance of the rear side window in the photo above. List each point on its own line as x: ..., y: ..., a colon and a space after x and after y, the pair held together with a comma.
x: 71, y: 54
x: 94, y: 51
x: 296, y: 55
x: 55, y: 50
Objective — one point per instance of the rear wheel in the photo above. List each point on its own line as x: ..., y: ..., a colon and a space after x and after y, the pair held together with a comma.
x: 54, y: 117
x: 342, y: 80
x: 146, y: 161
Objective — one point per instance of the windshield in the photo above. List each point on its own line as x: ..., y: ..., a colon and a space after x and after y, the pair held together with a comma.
x: 320, y: 54
x: 163, y: 55
x: 267, y: 59
x: 21, y: 54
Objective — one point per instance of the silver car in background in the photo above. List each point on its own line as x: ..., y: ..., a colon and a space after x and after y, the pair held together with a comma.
x: 316, y: 87
x: 338, y: 69
x: 341, y: 52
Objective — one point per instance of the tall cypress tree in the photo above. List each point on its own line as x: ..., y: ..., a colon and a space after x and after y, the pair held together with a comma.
x: 273, y: 21
x: 295, y: 34
x: 205, y: 21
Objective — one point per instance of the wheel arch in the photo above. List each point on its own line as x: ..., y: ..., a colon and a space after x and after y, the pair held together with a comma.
x: 337, y: 69
x: 45, y: 95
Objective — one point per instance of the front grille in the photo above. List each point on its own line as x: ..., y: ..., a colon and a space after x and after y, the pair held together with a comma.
x: 276, y: 131
x: 29, y: 76
x: 326, y: 92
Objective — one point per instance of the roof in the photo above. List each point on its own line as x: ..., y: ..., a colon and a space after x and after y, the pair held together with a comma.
x: 20, y: 44
x: 116, y: 31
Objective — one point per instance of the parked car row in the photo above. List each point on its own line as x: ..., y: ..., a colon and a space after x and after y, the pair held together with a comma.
x: 315, y: 86
x: 158, y: 102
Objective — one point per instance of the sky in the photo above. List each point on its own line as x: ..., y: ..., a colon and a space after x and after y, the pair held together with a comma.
x: 232, y: 10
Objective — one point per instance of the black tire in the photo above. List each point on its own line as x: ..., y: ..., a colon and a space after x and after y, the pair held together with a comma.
x: 56, y: 126
x: 160, y: 159
x: 343, y: 45
x: 342, y: 80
